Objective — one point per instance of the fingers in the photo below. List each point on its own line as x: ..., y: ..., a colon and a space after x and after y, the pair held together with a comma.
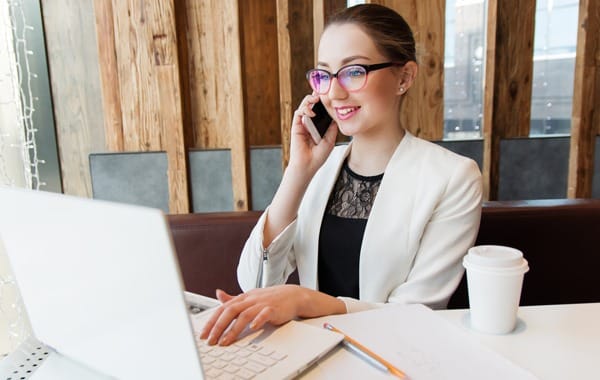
x: 255, y: 308
x: 264, y: 316
x: 223, y: 296
x: 206, y: 330
x: 244, y: 319
x: 225, y: 299
x: 231, y: 321
x: 305, y: 107
x: 232, y: 314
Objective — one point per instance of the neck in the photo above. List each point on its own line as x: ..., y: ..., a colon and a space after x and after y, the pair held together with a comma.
x: 369, y: 155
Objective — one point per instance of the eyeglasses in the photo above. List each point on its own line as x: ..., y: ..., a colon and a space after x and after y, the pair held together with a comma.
x: 351, y: 77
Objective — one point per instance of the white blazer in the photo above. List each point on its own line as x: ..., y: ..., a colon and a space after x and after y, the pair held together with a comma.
x: 424, y: 219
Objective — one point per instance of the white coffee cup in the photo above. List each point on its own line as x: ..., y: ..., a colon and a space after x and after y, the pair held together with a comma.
x: 494, y: 280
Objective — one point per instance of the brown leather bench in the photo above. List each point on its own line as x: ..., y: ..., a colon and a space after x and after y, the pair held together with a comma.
x: 559, y: 238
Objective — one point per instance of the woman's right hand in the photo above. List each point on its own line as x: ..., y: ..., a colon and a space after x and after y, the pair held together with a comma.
x: 305, y: 154
x: 275, y: 305
x: 306, y: 158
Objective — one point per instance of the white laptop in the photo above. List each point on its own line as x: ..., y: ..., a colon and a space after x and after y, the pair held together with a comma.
x: 101, y: 285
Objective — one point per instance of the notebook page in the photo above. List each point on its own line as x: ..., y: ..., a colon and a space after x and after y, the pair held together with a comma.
x: 417, y: 341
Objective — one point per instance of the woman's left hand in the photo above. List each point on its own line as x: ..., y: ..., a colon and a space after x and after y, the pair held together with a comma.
x: 275, y: 305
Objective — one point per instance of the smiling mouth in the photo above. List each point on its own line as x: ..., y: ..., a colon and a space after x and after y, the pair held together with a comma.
x: 346, y: 111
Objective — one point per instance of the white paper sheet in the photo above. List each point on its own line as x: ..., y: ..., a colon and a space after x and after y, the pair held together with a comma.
x: 416, y: 340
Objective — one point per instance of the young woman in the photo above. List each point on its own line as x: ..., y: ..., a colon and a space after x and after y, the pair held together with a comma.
x: 385, y: 219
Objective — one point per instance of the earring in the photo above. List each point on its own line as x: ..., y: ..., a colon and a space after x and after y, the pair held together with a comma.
x: 401, y: 89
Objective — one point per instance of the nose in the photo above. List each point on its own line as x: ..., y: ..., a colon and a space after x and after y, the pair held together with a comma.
x: 336, y: 91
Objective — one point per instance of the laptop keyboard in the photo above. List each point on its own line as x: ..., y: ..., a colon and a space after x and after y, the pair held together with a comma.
x: 237, y: 361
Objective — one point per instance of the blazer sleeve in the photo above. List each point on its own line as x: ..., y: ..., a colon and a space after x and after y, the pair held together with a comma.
x: 280, y: 257
x: 451, y: 231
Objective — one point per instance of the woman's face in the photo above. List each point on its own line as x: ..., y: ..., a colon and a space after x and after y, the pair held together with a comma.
x: 375, y: 106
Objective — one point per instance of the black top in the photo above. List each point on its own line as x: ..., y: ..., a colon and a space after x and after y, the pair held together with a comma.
x: 342, y: 232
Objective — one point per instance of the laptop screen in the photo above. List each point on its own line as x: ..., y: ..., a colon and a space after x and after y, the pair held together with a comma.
x: 100, y: 282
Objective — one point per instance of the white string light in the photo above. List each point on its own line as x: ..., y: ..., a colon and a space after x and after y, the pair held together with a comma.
x: 19, y: 163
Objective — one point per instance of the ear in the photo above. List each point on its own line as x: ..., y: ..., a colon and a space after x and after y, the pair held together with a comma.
x: 407, y: 76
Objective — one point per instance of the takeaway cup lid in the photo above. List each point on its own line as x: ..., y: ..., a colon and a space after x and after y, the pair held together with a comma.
x: 495, y: 257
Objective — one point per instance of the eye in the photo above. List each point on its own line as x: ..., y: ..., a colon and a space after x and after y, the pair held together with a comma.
x: 354, y: 72
x: 320, y: 75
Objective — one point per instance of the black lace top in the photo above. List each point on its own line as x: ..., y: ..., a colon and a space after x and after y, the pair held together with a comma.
x: 342, y: 232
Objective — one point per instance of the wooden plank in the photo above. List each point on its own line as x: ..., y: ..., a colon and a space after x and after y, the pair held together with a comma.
x: 260, y: 71
x: 140, y: 103
x: 184, y: 71
x: 585, y: 123
x: 285, y: 79
x: 214, y: 53
x: 318, y: 24
x: 206, y: 93
x: 507, y: 93
x: 423, y: 106
x: 109, y: 76
x: 210, y: 35
x: 166, y: 65
x: 170, y: 100
x: 150, y: 89
x: 240, y: 161
x: 296, y: 56
x: 73, y: 64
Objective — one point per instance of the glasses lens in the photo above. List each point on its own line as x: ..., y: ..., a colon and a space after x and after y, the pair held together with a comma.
x: 319, y: 81
x: 352, y: 78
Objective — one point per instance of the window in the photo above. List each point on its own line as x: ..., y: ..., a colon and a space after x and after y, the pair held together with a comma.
x: 464, y: 69
x: 554, y: 47
x: 555, y: 43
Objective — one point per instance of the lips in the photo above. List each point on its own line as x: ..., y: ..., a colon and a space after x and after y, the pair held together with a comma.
x: 344, y: 113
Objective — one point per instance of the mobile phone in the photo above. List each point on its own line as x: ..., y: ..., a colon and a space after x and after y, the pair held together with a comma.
x: 317, y: 125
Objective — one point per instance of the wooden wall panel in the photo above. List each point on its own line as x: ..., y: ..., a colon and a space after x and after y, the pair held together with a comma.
x: 109, y: 82
x: 216, y: 96
x: 258, y: 19
x: 181, y: 28
x: 140, y: 104
x: 171, y: 113
x: 296, y: 56
x: 216, y: 87
x: 215, y: 69
x: 585, y: 121
x: 423, y: 108
x: 508, y: 78
x: 73, y: 66
x: 150, y: 88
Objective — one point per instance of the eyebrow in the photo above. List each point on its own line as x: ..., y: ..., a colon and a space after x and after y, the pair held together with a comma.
x: 345, y: 60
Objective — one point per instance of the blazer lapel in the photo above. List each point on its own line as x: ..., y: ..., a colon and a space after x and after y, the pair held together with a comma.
x: 313, y: 209
x: 385, y: 258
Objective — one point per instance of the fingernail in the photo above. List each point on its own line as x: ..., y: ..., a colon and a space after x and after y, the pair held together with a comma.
x: 211, y: 340
x: 224, y: 340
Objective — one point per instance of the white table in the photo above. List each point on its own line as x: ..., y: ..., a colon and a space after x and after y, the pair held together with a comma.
x: 550, y: 341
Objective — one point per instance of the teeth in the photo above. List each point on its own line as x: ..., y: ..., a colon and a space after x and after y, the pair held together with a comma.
x: 345, y: 111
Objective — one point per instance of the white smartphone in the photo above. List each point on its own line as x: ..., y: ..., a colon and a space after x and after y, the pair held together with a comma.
x: 317, y: 125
